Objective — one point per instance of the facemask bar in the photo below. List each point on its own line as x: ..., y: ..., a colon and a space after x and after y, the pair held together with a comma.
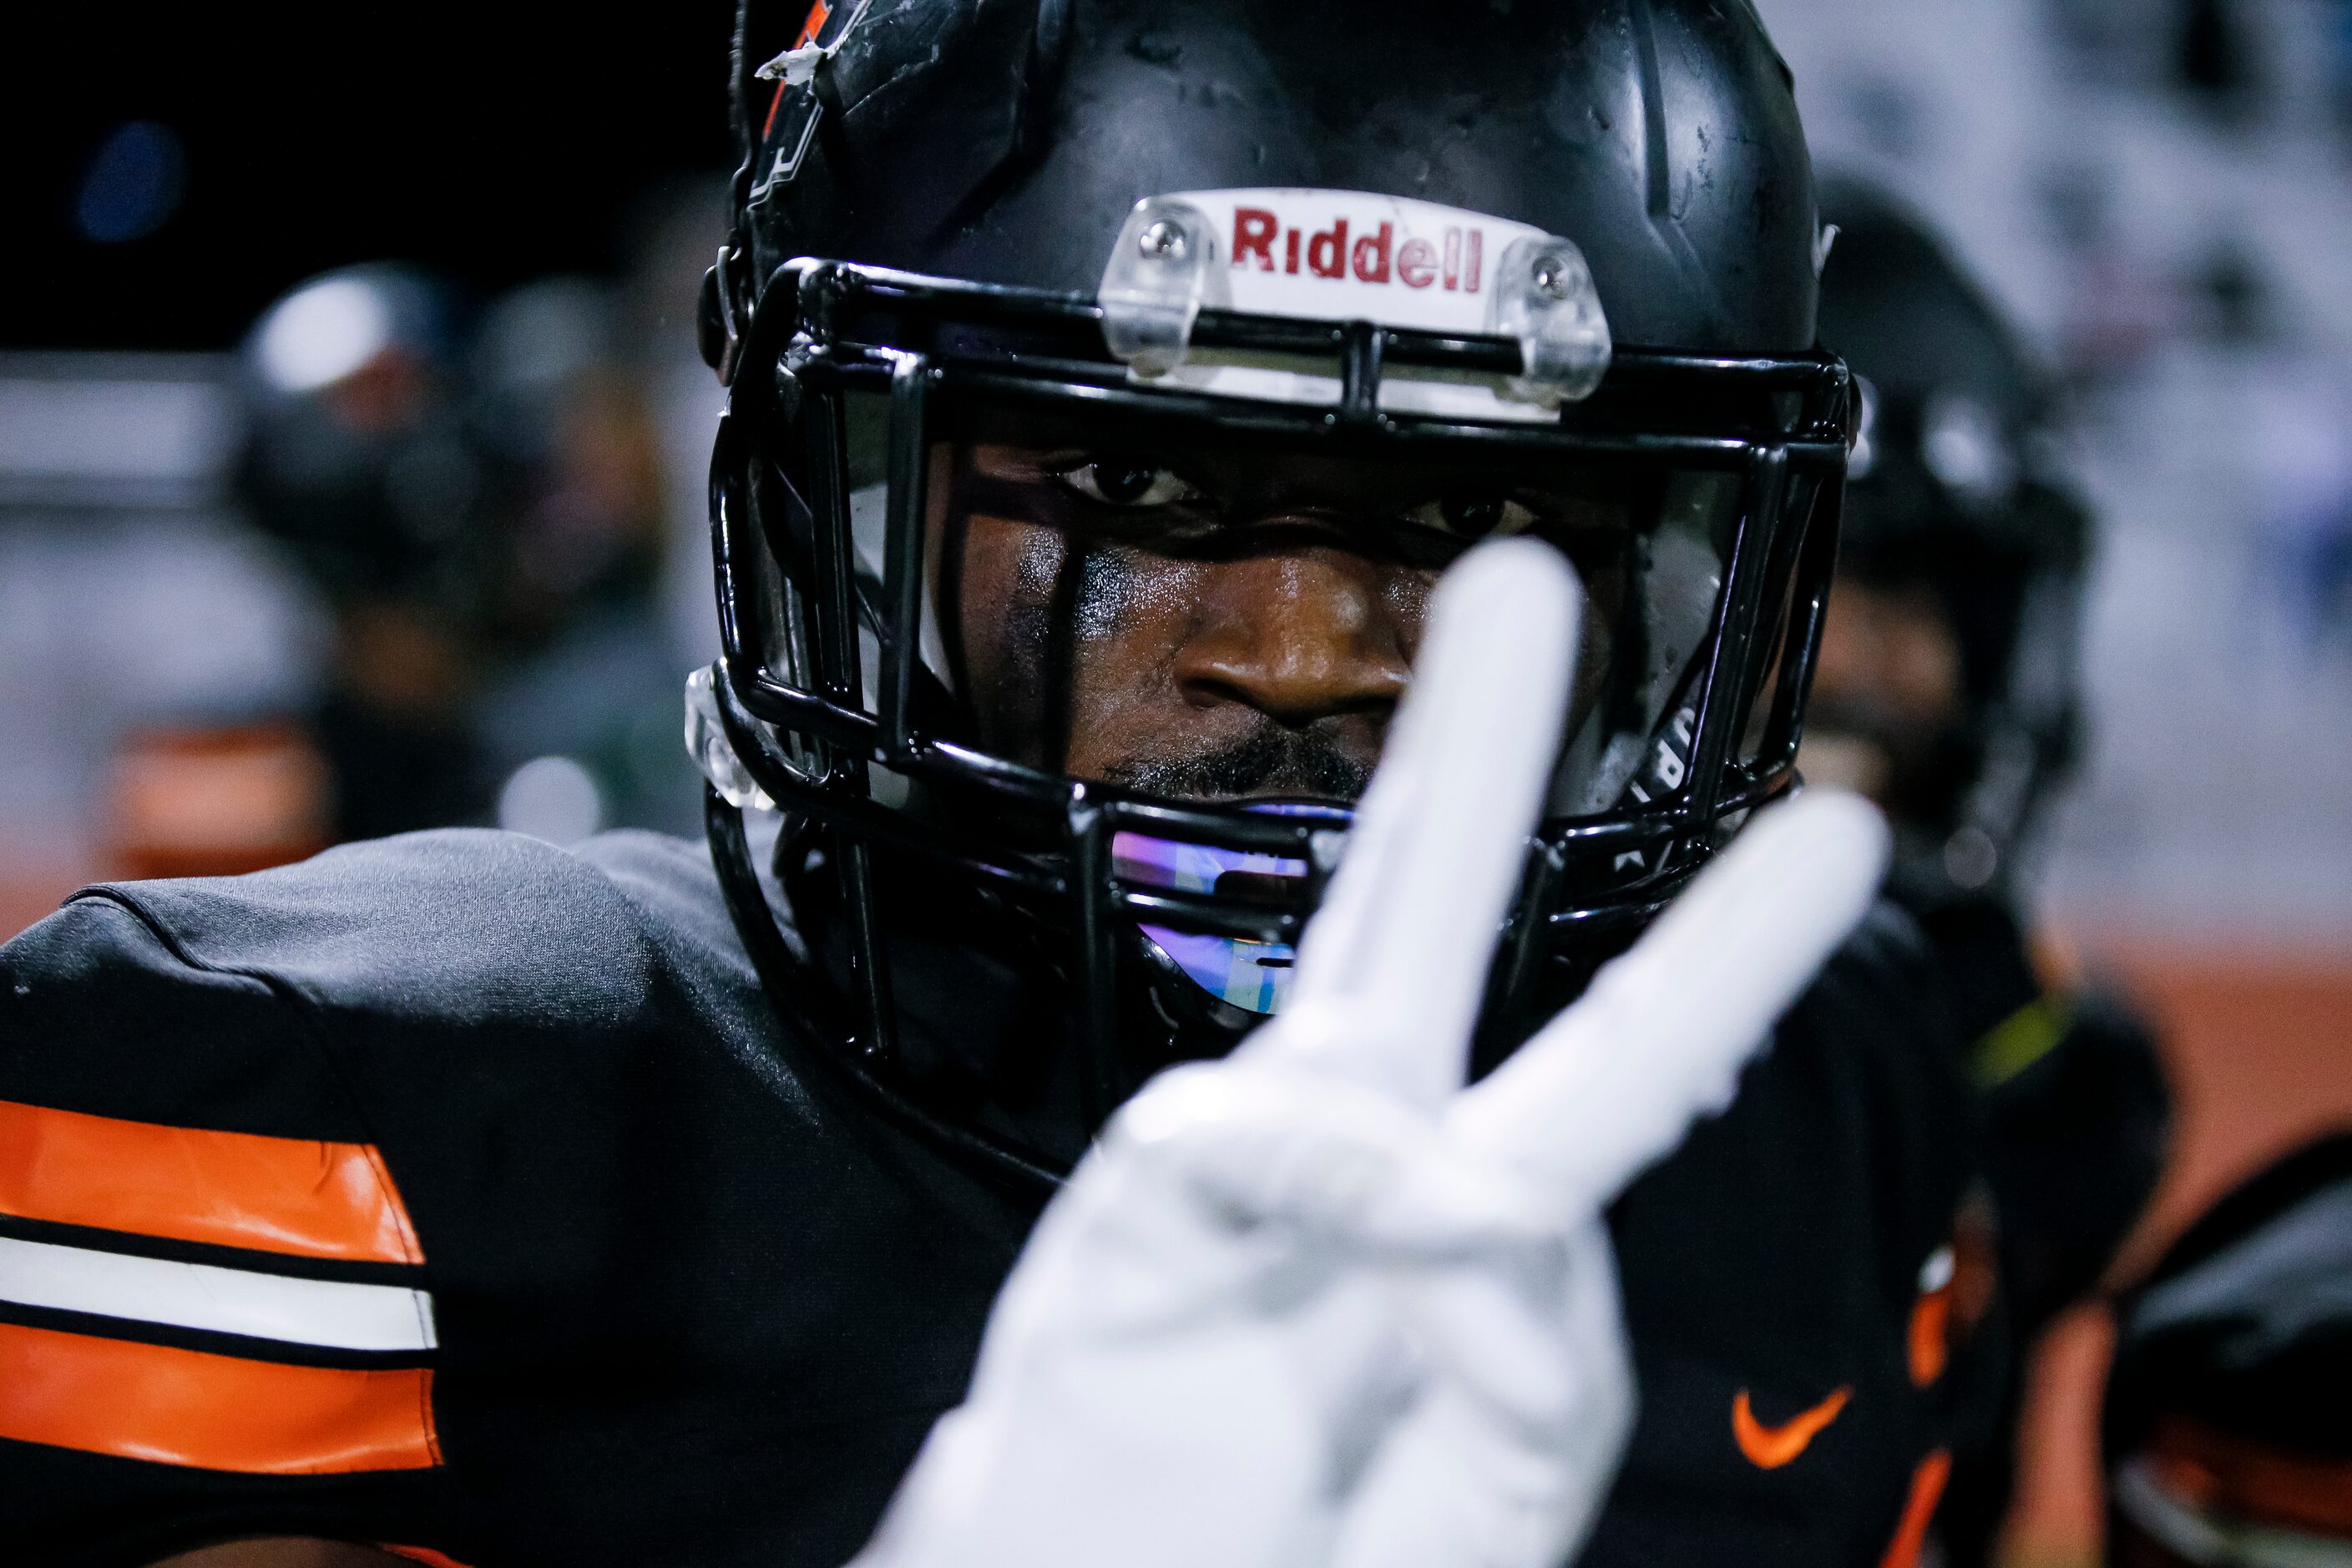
x: 788, y: 692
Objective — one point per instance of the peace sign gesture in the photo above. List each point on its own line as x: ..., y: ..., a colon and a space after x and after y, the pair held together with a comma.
x: 1320, y: 1302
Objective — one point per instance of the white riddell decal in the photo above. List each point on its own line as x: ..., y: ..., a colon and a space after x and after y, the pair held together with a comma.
x: 1456, y: 258
x: 1325, y: 256
x: 1354, y: 254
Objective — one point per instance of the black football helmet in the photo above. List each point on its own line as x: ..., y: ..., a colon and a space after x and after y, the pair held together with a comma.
x: 2222, y: 1428
x: 1546, y: 267
x: 356, y: 454
x: 1956, y: 489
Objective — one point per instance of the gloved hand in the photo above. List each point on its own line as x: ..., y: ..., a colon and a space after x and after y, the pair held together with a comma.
x: 1320, y: 1303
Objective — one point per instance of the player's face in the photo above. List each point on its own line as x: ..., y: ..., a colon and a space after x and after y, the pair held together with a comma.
x: 1887, y: 685
x: 1208, y: 622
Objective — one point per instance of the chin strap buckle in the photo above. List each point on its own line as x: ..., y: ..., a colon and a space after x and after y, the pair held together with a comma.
x: 714, y: 755
x: 723, y: 313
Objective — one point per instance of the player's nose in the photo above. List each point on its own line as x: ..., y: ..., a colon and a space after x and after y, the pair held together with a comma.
x: 1301, y: 635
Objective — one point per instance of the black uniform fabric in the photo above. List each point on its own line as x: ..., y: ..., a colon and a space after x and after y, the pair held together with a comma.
x: 2075, y: 1114
x: 695, y: 1307
x: 2073, y: 1118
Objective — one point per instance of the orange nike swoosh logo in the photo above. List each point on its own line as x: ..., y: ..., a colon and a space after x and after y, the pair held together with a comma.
x: 1769, y: 1447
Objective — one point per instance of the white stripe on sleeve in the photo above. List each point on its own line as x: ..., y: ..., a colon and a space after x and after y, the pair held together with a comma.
x: 227, y: 1301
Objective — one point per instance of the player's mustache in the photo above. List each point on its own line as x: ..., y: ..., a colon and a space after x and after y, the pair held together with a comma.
x: 1269, y: 761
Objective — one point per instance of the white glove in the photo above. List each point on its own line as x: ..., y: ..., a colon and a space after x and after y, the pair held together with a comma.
x: 1319, y: 1303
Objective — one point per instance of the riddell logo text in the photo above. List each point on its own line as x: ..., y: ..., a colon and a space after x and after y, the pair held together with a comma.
x: 1375, y: 256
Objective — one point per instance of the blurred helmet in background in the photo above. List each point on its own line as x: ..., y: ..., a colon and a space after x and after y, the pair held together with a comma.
x: 1948, y: 684
x: 477, y: 493
x: 2228, y: 1423
x: 357, y: 455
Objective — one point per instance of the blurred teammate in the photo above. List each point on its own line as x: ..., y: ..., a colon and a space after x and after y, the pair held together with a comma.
x: 1947, y: 692
x: 360, y: 460
x: 1110, y: 386
x: 477, y: 498
x: 2226, y: 1436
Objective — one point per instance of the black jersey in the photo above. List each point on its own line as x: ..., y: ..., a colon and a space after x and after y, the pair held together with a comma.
x: 468, y: 1196
x: 2073, y: 1106
x: 2073, y: 1116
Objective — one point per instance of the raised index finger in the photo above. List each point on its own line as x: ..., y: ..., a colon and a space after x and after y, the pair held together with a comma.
x: 1392, y: 969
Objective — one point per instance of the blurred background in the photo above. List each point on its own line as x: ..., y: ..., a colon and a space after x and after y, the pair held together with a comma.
x: 351, y: 441
x: 351, y: 430
x: 2159, y: 193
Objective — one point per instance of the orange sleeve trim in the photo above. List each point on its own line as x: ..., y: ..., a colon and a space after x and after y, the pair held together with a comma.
x: 1929, y: 1339
x: 1918, y: 1509
x: 211, y: 1412
x: 425, y: 1554
x: 231, y: 1189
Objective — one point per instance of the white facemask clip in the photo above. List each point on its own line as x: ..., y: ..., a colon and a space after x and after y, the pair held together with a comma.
x: 1545, y: 296
x: 1163, y: 269
x: 714, y: 755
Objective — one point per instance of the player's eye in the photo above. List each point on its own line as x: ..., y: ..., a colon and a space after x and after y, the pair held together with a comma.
x: 1129, y: 483
x: 1473, y: 515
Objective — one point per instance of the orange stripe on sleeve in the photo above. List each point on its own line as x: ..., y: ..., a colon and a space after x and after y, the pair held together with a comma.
x: 211, y: 1412
x: 1929, y: 1336
x: 232, y: 1189
x: 1919, y: 1509
x: 425, y: 1554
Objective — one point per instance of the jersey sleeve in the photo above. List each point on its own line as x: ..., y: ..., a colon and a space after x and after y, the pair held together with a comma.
x: 215, y: 1316
x: 2078, y: 1117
